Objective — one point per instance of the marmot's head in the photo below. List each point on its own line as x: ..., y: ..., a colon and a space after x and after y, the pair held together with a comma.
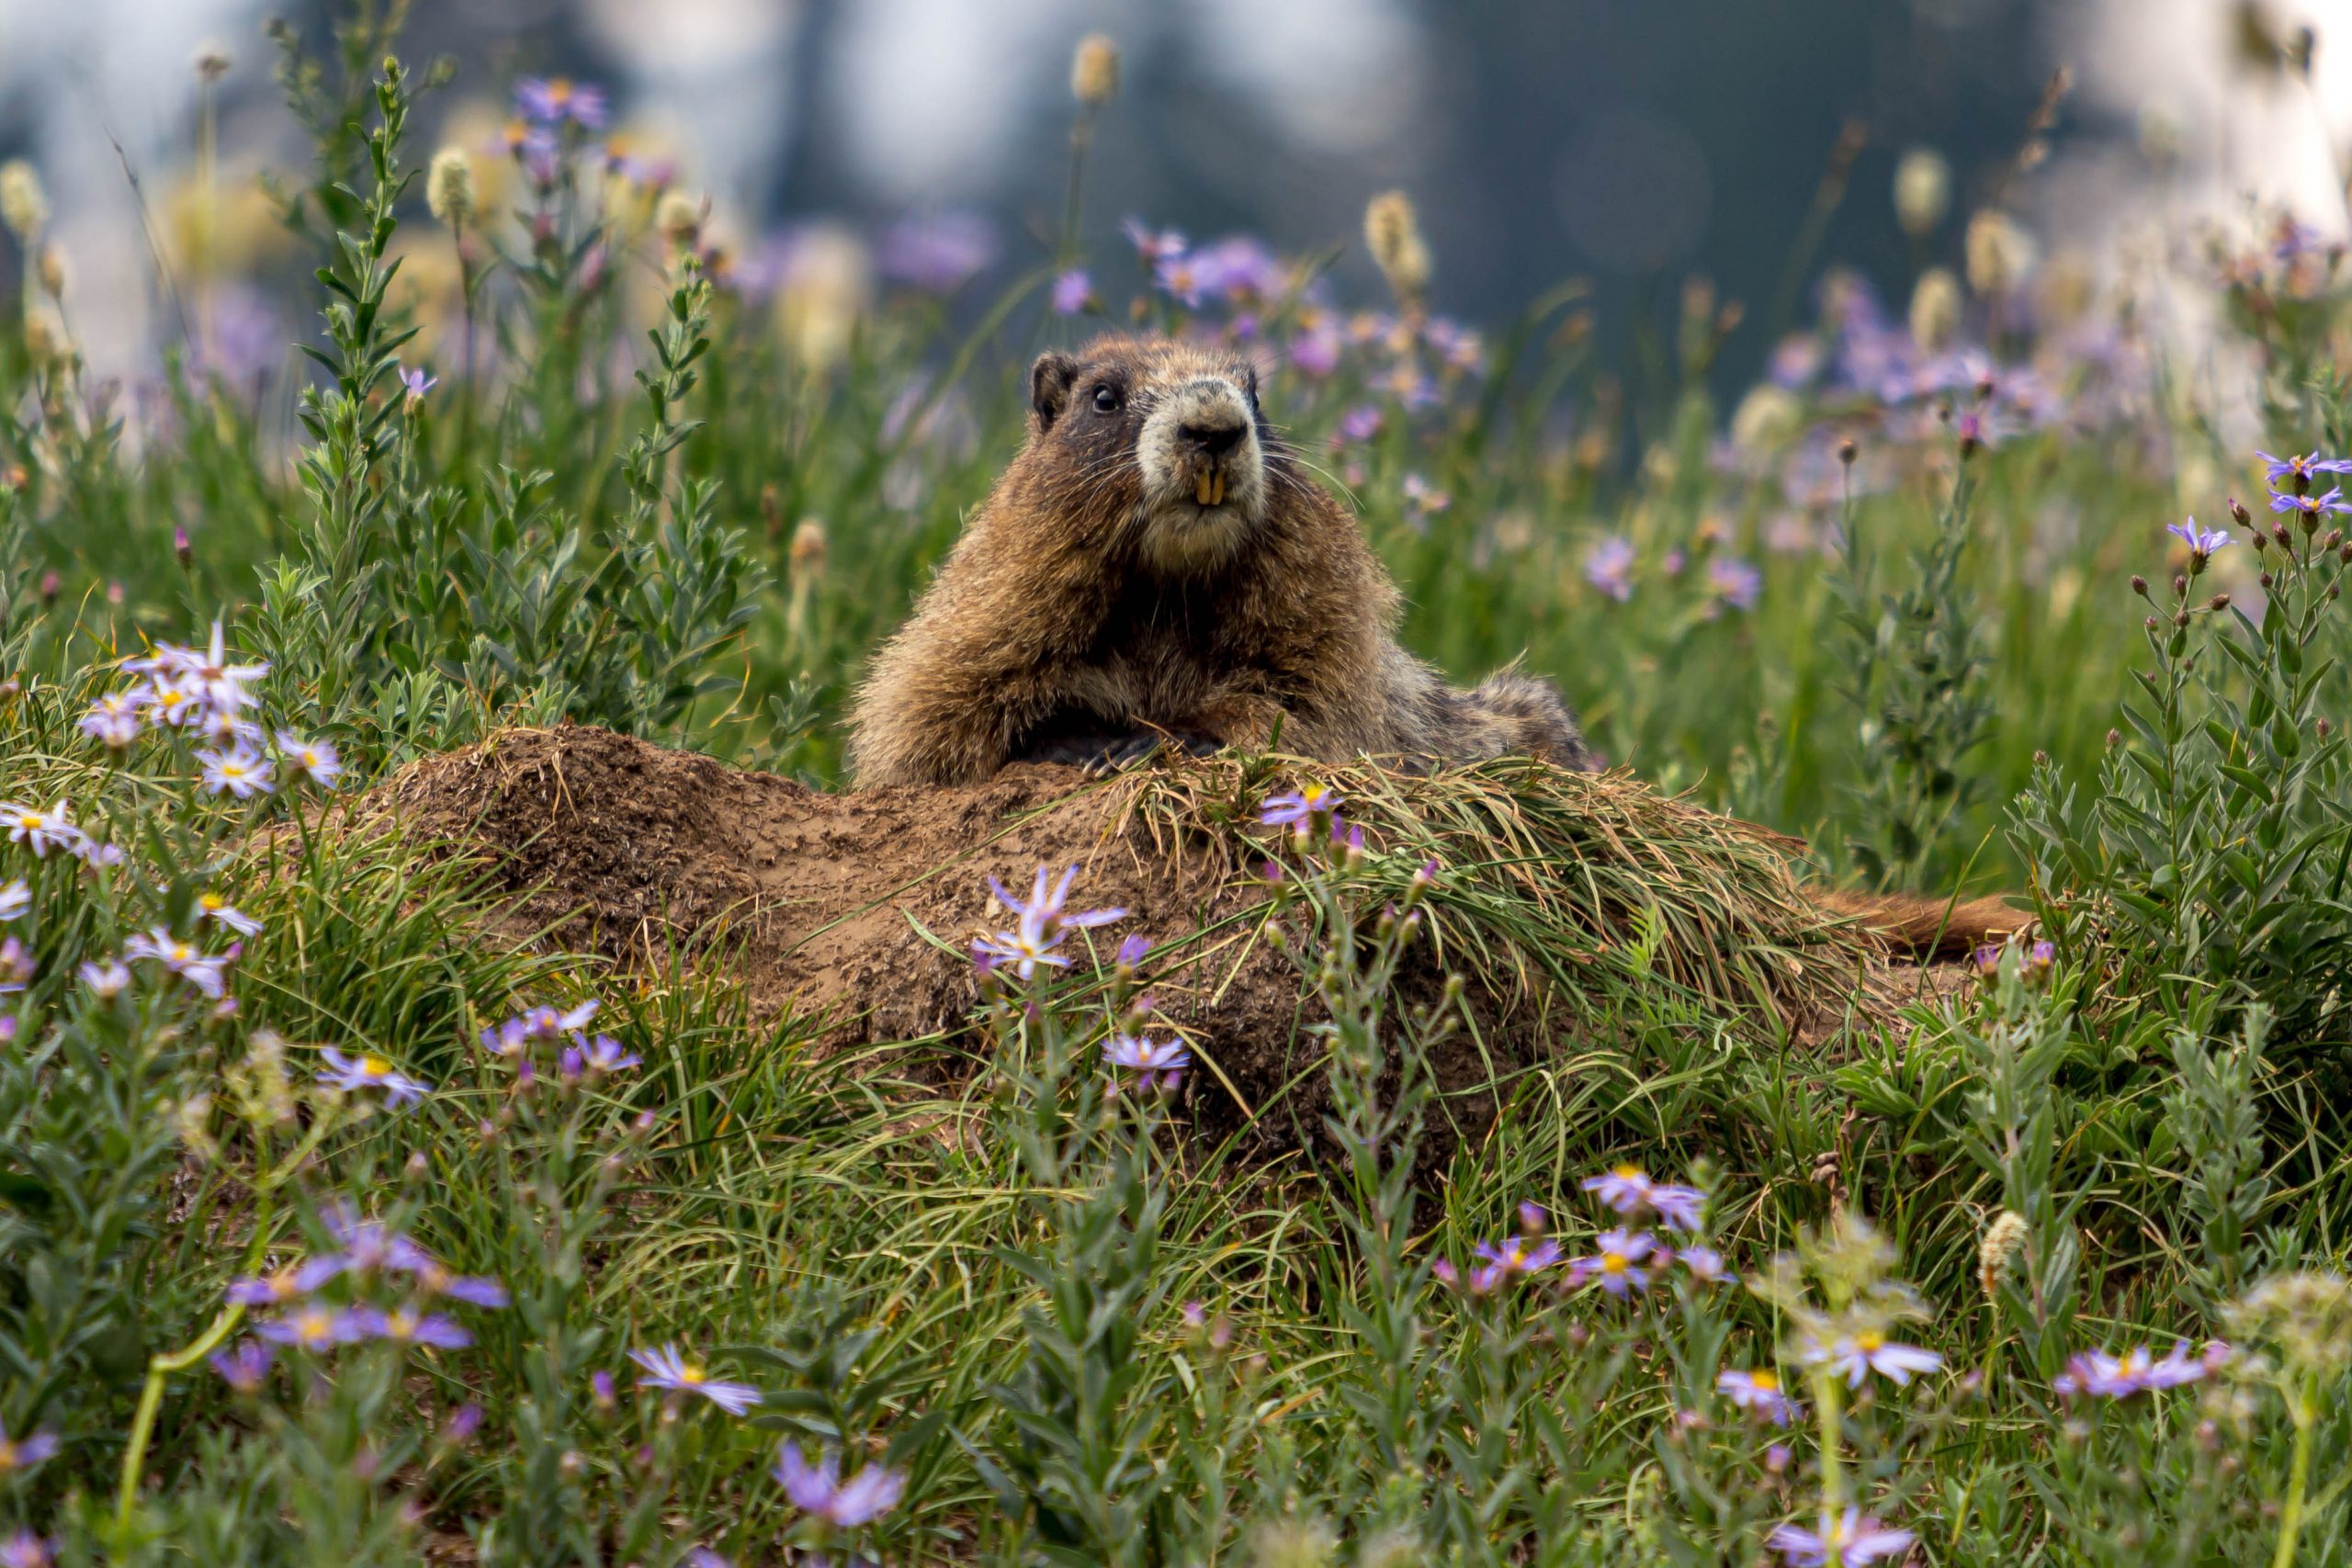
x: 1163, y: 437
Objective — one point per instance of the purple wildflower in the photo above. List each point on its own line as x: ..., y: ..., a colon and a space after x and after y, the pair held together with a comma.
x: 2301, y: 471
x: 406, y: 1325
x: 2135, y: 1371
x: 107, y: 980
x: 212, y: 907
x: 369, y: 1070
x: 1040, y: 925
x: 1704, y: 1263
x: 316, y: 761
x: 463, y: 1423
x: 1519, y: 1257
x: 287, y: 1284
x: 1757, y: 1391
x: 113, y: 719
x: 819, y: 1490
x: 1316, y: 352
x: 600, y: 1055
x: 1851, y: 1538
x: 1073, y: 291
x: 1608, y: 567
x: 245, y: 1365
x: 669, y: 1369
x: 2202, y: 542
x: 549, y: 101
x: 16, y: 899
x: 1870, y: 1352
x: 40, y: 831
x: 1362, y: 422
x: 23, y: 1453
x: 1141, y: 1053
x: 939, y: 254
x: 1735, y: 583
x: 2309, y: 507
x: 1621, y: 1263
x: 1301, y: 809
x: 417, y: 382
x: 16, y: 967
x: 313, y: 1326
x: 26, y: 1549
x: 205, y: 972
x: 1151, y: 245
x: 474, y: 1290
x: 240, y: 770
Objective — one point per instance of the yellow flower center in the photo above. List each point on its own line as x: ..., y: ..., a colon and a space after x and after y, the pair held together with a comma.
x: 1870, y: 1344
x: 30, y: 819
x: 213, y: 903
x: 401, y: 1324
x: 691, y: 1375
x: 182, y: 953
x: 313, y: 1326
x: 1765, y: 1382
x: 1627, y: 1172
x: 374, y: 1066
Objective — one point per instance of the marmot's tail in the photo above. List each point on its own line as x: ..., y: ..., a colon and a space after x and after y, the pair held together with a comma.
x: 1514, y: 714
x: 1930, y: 928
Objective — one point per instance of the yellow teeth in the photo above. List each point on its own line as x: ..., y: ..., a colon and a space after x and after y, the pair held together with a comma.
x: 1208, y: 487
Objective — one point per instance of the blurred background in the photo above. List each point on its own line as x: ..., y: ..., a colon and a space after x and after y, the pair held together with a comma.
x: 1633, y: 145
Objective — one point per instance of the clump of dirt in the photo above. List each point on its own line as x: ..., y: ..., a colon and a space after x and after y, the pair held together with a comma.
x: 858, y: 910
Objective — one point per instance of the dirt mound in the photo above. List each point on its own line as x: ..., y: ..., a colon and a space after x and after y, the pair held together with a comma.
x: 859, y: 909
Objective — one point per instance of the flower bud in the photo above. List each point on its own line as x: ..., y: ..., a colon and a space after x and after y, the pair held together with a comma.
x: 2139, y: 585
x: 2000, y: 253
x: 49, y: 586
x: 1094, y: 71
x: 1847, y: 451
x: 182, y: 546
x: 2265, y: 579
x: 211, y: 61
x: 2219, y: 603
x: 2179, y: 586
x: 1392, y: 231
x: 2322, y: 728
x: 2114, y: 738
x: 679, y: 217
x: 50, y: 268
x: 2239, y: 514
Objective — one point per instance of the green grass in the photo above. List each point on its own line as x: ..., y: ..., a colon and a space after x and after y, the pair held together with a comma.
x: 963, y: 1259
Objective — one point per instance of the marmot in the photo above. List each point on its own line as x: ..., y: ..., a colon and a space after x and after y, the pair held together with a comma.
x: 1157, y: 566
x: 1154, y: 566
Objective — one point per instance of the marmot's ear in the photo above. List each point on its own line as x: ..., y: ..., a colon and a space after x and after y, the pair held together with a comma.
x: 1049, y: 384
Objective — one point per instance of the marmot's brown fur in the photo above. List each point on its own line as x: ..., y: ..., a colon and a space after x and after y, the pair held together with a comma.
x: 1156, y: 567
x: 1156, y: 564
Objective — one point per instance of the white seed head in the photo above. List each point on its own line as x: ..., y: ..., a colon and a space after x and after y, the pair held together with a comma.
x: 827, y: 287
x: 450, y: 186
x: 1392, y: 230
x: 680, y: 217
x: 1765, y: 420
x: 213, y: 60
x: 24, y: 206
x: 1922, y: 191
x: 2000, y: 254
x: 52, y: 272
x: 1935, y: 310
x: 1094, y: 71
x: 2003, y: 1238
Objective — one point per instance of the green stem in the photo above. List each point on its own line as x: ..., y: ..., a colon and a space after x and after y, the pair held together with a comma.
x: 150, y: 1401
x: 2299, y: 1476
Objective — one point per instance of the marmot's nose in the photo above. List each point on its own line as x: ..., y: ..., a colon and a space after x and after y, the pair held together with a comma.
x: 1213, y: 440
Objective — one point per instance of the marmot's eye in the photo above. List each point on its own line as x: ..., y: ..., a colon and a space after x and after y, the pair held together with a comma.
x: 1105, y: 401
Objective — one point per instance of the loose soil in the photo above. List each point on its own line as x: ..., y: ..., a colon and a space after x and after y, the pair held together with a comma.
x: 858, y: 910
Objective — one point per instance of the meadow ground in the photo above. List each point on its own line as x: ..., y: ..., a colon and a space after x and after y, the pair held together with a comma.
x: 1539, y: 1180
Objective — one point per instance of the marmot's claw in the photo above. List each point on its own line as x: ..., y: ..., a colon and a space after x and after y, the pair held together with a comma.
x: 1125, y: 754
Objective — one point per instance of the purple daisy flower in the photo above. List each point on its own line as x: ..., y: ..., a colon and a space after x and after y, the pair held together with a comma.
x: 818, y: 1489
x: 1853, y: 1539
x: 2311, y: 507
x: 23, y: 1453
x: 669, y: 1369
x: 207, y: 973
x: 241, y: 771
x: 939, y: 254
x: 369, y: 1070
x: 406, y: 1325
x: 417, y: 382
x: 1621, y: 1263
x: 1757, y: 1390
x: 1608, y: 567
x: 1870, y: 1352
x: 1735, y: 583
x: 2202, y: 542
x: 1519, y: 1257
x: 2301, y: 471
x: 26, y: 1549
x: 313, y: 1326
x: 1073, y: 290
x: 316, y: 761
x: 245, y: 1365
x: 550, y: 100
x: 1302, y: 808
x: 40, y: 831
